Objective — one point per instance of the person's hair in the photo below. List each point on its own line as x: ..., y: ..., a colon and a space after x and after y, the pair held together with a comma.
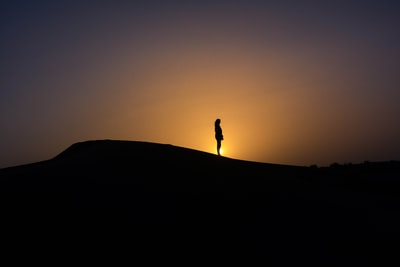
x: 217, y: 121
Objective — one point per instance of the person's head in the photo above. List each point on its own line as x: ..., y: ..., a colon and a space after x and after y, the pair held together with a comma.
x: 217, y: 121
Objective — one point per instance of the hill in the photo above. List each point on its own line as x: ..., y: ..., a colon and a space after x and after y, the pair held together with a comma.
x: 169, y: 203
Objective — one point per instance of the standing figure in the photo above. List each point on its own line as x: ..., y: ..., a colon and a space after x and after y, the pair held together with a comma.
x: 218, y: 135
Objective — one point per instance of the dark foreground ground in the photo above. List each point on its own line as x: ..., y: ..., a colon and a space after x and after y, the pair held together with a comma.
x: 137, y: 202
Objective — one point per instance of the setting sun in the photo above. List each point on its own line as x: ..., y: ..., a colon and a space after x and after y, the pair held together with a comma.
x: 287, y: 90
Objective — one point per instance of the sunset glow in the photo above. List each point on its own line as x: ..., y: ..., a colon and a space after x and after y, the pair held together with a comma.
x: 290, y: 87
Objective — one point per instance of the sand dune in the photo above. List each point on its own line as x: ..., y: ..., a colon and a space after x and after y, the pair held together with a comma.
x: 163, y: 202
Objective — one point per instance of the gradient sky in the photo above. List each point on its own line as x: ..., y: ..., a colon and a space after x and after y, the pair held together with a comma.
x: 293, y: 82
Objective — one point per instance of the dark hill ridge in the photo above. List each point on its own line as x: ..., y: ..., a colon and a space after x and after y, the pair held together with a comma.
x: 159, y: 201
x: 134, y: 152
x: 134, y: 162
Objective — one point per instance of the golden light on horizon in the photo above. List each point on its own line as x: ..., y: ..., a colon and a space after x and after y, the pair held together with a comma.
x: 175, y: 97
x: 287, y: 91
x: 187, y: 91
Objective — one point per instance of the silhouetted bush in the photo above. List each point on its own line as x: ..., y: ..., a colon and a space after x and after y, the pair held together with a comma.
x: 335, y: 165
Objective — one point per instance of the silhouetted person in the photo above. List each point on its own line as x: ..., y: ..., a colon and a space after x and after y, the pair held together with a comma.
x: 218, y: 135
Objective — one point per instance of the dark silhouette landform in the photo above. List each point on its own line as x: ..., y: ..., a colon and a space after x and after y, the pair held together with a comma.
x: 162, y: 202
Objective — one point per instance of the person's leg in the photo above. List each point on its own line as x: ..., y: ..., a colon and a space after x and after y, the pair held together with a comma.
x: 219, y: 147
